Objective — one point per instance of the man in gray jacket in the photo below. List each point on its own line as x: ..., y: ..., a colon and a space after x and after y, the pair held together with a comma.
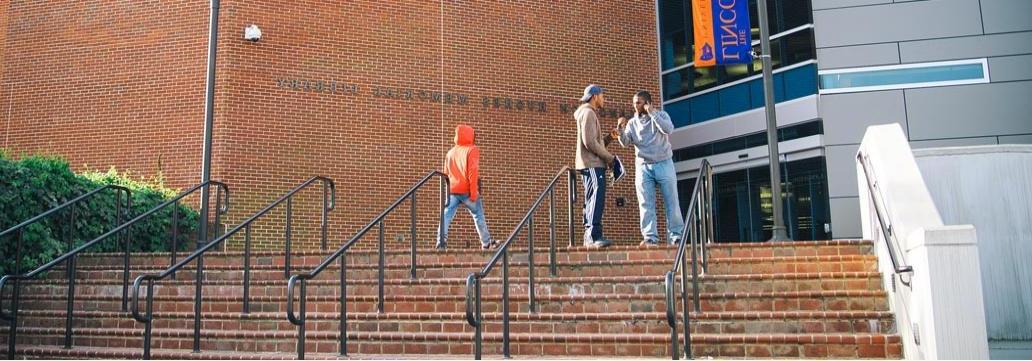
x: 649, y: 133
x: 592, y: 159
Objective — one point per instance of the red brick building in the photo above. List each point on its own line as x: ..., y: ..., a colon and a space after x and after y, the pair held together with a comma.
x: 365, y: 92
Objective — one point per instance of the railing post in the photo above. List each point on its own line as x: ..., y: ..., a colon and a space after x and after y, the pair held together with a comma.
x: 572, y: 190
x: 671, y: 304
x: 343, y: 304
x: 286, y: 261
x: 175, y: 235
x: 323, y: 227
x: 443, y: 203
x: 711, y: 233
x: 125, y: 245
x: 684, y: 303
x: 551, y: 232
x: 70, y: 265
x: 695, y: 268
x: 530, y: 259
x: 12, y: 331
x: 150, y: 319
x: 18, y: 251
x: 505, y: 304
x: 247, y: 269
x: 198, y: 284
x: 413, y: 271
x: 301, y: 327
x: 477, y: 333
x: 379, y: 291
x: 218, y: 214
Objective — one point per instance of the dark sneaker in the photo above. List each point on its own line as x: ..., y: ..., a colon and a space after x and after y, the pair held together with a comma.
x: 649, y: 243
x: 598, y: 243
x: 675, y: 241
x: 441, y: 245
x: 489, y: 245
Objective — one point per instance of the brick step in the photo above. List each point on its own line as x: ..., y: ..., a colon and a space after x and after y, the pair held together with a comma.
x: 613, y: 253
x: 650, y: 322
x: 836, y: 345
x: 455, y: 286
x: 401, y: 255
x: 717, y: 266
x: 109, y: 353
x: 792, y: 249
x: 855, y: 300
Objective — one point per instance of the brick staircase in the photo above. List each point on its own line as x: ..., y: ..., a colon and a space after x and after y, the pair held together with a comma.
x: 803, y: 299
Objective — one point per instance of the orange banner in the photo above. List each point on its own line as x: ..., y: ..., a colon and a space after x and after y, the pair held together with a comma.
x: 702, y: 18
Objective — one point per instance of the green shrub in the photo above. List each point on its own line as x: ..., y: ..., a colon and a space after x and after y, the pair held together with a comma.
x: 35, y: 184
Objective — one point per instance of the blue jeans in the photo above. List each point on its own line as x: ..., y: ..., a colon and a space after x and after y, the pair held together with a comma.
x: 476, y: 209
x: 646, y: 178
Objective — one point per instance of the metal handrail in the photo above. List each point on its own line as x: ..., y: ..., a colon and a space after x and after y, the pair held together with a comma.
x: 66, y: 233
x: 341, y: 254
x: 329, y: 199
x: 698, y: 229
x: 891, y: 243
x: 475, y: 317
x: 220, y: 207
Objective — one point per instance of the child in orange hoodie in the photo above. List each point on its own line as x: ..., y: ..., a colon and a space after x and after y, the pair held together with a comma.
x: 463, y: 168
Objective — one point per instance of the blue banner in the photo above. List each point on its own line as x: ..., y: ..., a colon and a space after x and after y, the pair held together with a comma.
x: 722, y: 32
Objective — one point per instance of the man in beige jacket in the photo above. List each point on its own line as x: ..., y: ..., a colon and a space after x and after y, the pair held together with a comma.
x: 592, y: 160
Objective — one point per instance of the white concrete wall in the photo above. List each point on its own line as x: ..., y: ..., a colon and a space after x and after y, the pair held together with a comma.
x: 991, y: 188
x: 938, y: 306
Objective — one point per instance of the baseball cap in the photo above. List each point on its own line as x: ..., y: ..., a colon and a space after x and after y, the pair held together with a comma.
x: 590, y: 91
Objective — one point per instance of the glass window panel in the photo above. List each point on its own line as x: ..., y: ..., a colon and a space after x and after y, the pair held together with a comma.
x: 730, y: 73
x: 704, y: 78
x: 799, y: 47
x: 677, y: 83
x: 929, y: 74
x: 676, y: 51
x: 795, y: 13
x: 671, y: 16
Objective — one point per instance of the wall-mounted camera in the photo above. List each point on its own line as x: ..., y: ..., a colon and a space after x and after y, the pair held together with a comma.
x: 252, y: 33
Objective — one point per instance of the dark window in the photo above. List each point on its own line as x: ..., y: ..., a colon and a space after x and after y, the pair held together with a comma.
x: 743, y: 202
x: 748, y: 141
x: 676, y: 40
x: 675, y: 31
x: 796, y: 15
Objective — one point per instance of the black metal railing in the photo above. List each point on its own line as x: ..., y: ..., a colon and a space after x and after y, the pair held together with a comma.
x: 474, y: 314
x: 67, y: 227
x: 341, y: 253
x: 124, y: 230
x: 698, y: 232
x: 891, y: 243
x: 328, y: 200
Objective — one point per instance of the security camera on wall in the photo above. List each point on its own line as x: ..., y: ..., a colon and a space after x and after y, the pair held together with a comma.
x: 252, y: 33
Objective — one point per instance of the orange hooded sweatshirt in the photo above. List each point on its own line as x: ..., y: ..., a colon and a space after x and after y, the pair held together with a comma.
x: 463, y: 164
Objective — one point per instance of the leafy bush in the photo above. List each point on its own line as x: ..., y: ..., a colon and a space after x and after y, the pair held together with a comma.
x: 35, y: 184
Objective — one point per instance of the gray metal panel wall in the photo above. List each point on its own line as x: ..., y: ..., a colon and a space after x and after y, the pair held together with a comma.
x: 861, y: 33
x: 991, y: 188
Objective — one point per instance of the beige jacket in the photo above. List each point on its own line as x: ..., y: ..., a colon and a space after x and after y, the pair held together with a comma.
x: 591, y: 149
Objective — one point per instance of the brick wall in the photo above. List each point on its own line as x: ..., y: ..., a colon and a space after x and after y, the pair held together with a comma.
x: 365, y: 92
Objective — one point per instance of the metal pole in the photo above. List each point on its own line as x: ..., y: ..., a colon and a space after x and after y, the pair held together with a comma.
x: 286, y: 236
x: 572, y: 193
x: 379, y: 290
x: 247, y: 269
x: 412, y: 254
x: 505, y: 304
x: 530, y: 263
x: 343, y: 304
x: 778, y: 230
x: 551, y: 233
x: 209, y: 113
